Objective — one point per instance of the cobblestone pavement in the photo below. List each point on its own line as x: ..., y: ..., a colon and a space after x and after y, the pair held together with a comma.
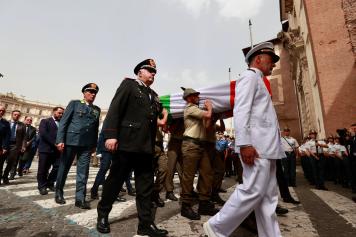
x: 24, y: 212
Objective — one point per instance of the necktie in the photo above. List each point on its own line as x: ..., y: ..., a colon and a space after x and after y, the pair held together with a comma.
x: 13, y: 131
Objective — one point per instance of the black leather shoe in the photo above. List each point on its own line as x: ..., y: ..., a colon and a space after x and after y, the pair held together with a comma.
x: 151, y: 230
x: 5, y: 181
x: 158, y: 201
x: 82, y: 204
x: 43, y: 191
x: 58, y: 198
x: 12, y: 177
x: 171, y: 196
x: 217, y: 199
x: 322, y: 188
x: 131, y: 192
x: 51, y: 188
x: 94, y: 195
x: 207, y: 208
x: 188, y: 212
x: 103, y: 225
x: 291, y: 200
x: 281, y: 210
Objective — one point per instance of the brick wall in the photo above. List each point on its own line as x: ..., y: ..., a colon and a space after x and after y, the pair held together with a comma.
x: 335, y: 62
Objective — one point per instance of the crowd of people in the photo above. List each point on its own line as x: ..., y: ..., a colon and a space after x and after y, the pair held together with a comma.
x: 131, y: 141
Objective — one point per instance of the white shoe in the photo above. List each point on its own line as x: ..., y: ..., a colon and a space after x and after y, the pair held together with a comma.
x: 208, y: 231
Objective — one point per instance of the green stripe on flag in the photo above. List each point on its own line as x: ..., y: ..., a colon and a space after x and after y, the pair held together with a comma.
x: 166, y: 102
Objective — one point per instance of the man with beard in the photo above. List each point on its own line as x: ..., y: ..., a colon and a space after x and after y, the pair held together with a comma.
x: 48, y: 152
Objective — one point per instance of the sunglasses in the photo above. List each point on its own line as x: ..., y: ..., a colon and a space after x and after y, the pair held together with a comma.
x: 91, y: 91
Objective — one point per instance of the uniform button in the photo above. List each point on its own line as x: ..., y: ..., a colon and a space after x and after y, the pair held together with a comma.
x: 130, y: 125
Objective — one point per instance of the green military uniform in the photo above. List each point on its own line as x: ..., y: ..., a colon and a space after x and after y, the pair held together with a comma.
x: 174, y: 154
x: 217, y: 163
x: 160, y: 163
x: 195, y: 156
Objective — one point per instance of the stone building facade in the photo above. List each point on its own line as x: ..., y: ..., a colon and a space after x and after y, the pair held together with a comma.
x: 320, y: 39
x: 37, y: 110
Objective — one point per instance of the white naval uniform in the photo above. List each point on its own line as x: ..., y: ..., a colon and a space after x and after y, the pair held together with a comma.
x: 256, y: 124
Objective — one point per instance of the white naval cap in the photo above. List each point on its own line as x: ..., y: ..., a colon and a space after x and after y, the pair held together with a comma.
x: 262, y: 48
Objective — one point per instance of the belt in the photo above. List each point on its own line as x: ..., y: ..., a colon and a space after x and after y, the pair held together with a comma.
x: 193, y: 140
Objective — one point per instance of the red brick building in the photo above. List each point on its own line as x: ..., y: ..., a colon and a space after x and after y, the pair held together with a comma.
x: 320, y: 37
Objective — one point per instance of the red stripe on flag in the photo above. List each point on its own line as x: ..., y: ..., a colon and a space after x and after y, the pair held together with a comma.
x: 232, y: 94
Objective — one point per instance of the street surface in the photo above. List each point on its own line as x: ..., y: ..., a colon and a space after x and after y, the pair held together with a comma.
x: 24, y: 212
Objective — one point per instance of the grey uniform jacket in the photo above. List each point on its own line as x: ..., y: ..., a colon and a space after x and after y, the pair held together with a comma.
x: 79, y: 125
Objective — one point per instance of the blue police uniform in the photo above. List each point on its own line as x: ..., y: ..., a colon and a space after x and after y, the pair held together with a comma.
x: 78, y: 130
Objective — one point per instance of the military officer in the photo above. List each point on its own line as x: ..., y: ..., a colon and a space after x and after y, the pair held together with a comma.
x: 258, y: 142
x: 77, y: 136
x: 174, y: 155
x: 129, y: 131
x: 290, y: 146
x: 160, y: 165
x: 195, y: 157
x: 315, y: 149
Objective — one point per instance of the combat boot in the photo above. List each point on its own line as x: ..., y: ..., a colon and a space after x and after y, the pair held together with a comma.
x: 188, y: 212
x: 207, y: 208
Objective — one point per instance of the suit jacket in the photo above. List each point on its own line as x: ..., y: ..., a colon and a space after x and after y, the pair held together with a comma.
x: 132, y: 117
x: 79, y: 125
x: 255, y: 119
x: 5, y: 134
x: 30, y: 136
x: 20, y: 141
x: 48, y: 133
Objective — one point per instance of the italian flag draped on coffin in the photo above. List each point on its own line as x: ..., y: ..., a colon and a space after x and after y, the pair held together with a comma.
x: 222, y: 96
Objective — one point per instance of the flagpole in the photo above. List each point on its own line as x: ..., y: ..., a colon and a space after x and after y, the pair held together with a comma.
x: 250, y: 27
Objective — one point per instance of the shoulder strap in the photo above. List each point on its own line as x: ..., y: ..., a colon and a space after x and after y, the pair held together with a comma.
x: 288, y: 143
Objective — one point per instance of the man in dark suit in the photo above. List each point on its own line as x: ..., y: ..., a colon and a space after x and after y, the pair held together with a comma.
x: 77, y: 136
x: 5, y: 133
x: 17, y: 143
x: 48, y: 152
x: 30, y: 138
x: 129, y: 132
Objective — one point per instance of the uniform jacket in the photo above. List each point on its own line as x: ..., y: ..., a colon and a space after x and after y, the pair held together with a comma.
x: 255, y: 119
x: 79, y: 125
x: 48, y: 133
x: 5, y: 133
x: 30, y: 136
x: 132, y: 117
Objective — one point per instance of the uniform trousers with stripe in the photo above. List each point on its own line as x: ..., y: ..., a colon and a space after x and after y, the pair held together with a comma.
x: 258, y: 193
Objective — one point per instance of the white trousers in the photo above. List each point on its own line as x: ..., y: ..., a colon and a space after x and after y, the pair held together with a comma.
x: 259, y: 193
